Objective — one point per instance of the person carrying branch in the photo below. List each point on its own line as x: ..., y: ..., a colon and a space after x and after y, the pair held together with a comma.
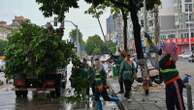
x: 170, y: 75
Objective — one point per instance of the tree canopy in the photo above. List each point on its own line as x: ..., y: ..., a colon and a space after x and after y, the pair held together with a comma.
x: 73, y: 35
x: 95, y: 46
x: 3, y: 44
x: 73, y: 39
x: 56, y: 7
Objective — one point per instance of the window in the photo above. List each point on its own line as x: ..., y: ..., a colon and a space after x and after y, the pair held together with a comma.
x: 187, y: 0
x: 188, y: 7
x: 182, y: 35
x: 163, y: 36
x: 171, y: 36
x: 192, y: 34
x: 186, y: 35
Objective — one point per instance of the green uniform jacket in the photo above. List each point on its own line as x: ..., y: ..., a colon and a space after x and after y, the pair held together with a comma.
x: 118, y: 62
x: 127, y: 71
x: 100, y: 77
x: 167, y: 68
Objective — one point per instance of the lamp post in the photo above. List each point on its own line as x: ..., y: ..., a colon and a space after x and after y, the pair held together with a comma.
x: 77, y: 37
x: 77, y: 32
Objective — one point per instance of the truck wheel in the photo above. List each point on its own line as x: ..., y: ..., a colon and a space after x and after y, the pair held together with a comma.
x: 18, y: 94
x: 52, y: 94
x: 25, y: 94
x: 64, y: 85
x: 58, y: 92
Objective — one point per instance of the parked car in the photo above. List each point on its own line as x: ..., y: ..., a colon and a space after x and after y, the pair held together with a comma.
x: 185, y: 55
x: 191, y: 58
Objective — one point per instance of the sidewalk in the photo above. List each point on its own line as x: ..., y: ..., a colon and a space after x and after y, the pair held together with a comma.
x: 155, y: 100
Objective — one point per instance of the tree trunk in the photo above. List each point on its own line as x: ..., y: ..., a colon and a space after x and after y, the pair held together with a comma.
x: 138, y: 45
x: 137, y: 31
x: 157, y: 26
x: 101, y: 28
x: 124, y: 16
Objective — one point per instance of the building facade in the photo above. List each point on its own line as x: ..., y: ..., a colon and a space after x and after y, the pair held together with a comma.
x: 115, y: 29
x: 5, y: 29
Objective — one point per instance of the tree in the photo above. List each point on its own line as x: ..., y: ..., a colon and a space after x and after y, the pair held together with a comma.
x: 73, y: 39
x: 35, y: 51
x: 96, y: 12
x: 108, y: 47
x: 56, y: 7
x: 73, y: 35
x: 93, y: 45
x: 3, y: 44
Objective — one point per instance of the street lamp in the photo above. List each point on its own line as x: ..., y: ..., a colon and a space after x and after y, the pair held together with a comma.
x: 62, y: 27
x: 77, y: 37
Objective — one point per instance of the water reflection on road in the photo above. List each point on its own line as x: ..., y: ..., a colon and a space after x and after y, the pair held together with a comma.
x: 10, y: 102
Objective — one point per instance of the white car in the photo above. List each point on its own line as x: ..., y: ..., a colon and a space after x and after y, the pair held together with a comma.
x: 185, y: 55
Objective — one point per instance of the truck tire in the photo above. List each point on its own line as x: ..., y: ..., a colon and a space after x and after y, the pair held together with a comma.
x: 52, y: 94
x: 21, y: 94
x: 18, y: 94
x: 64, y: 85
x: 58, y: 92
x: 25, y: 94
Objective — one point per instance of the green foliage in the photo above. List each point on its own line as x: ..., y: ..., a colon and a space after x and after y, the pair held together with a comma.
x: 34, y: 51
x: 56, y: 7
x: 95, y: 46
x: 150, y: 4
x: 3, y: 44
x: 96, y: 11
x: 111, y: 46
x: 73, y: 35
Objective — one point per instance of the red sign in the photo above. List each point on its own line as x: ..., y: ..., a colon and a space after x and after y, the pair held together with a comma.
x: 178, y: 40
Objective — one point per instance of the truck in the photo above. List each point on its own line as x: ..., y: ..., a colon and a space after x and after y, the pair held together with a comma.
x: 52, y: 84
x: 36, y: 59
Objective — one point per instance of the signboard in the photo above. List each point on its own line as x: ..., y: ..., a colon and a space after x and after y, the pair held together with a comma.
x: 178, y: 40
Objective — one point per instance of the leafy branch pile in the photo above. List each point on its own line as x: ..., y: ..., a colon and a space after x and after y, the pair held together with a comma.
x: 35, y: 51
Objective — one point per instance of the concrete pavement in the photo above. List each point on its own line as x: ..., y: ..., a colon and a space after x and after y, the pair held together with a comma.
x: 154, y: 101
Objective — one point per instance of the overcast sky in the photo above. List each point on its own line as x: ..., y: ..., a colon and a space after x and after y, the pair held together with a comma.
x: 29, y: 8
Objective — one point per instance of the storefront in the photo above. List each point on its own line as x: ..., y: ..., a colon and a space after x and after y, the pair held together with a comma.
x: 182, y: 43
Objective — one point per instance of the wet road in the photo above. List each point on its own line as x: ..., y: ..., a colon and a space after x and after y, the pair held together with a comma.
x: 186, y: 67
x: 8, y: 101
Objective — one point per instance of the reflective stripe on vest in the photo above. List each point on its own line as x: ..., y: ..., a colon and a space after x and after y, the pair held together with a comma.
x: 98, y: 77
x: 168, y: 70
